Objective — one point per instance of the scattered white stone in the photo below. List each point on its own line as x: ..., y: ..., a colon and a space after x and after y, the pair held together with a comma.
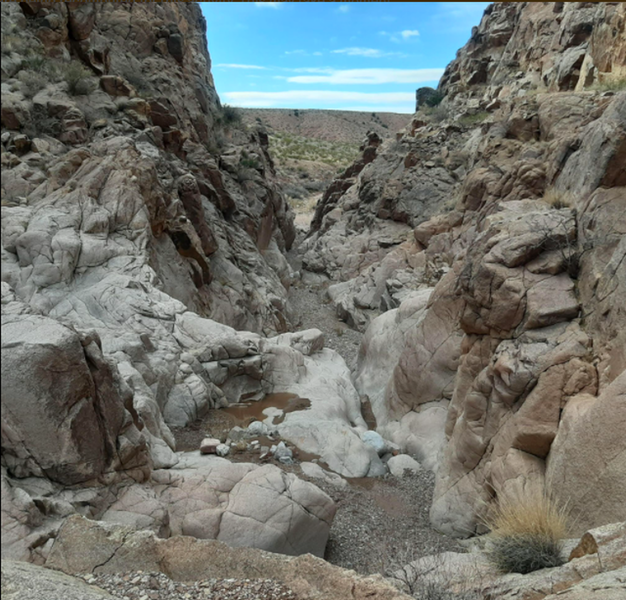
x: 398, y: 465
x: 222, y: 450
x: 283, y: 454
x: 257, y: 428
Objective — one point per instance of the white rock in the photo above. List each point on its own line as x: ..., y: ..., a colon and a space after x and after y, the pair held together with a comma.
x: 313, y: 470
x: 222, y: 450
x: 376, y: 441
x: 398, y: 465
x: 283, y: 452
x: 257, y: 428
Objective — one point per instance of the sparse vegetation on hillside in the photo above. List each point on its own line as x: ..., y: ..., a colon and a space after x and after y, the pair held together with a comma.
x: 230, y: 115
x: 526, y: 534
x: 435, y: 114
x: 78, y: 78
x: 611, y: 85
x: 284, y: 146
x: 474, y: 119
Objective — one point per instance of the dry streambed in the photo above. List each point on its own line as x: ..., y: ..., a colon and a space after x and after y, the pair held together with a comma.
x: 381, y: 523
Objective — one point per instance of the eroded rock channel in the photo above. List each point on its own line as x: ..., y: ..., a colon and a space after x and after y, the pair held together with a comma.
x: 195, y: 389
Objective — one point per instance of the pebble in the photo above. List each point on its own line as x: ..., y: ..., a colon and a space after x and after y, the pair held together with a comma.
x: 157, y: 586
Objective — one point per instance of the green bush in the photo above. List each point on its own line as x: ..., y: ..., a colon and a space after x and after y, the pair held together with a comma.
x: 474, y: 119
x: 249, y: 163
x: 231, y: 115
x: 525, y: 553
x: 78, y: 78
x: 611, y: 85
x: 32, y: 83
x: 434, y: 100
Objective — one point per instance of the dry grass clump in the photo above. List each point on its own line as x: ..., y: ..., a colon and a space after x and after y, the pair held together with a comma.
x: 610, y: 85
x: 526, y: 534
x: 557, y: 199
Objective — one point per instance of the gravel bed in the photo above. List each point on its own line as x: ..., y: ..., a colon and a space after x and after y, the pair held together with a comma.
x: 316, y: 311
x: 157, y: 586
x: 382, y: 524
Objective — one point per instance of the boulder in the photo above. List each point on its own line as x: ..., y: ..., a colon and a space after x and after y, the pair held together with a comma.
x: 240, y: 504
x: 209, y: 446
x: 65, y: 410
x: 586, y: 467
x: 85, y: 546
x: 400, y: 464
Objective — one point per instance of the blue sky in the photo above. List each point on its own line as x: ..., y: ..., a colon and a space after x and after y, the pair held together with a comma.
x: 369, y: 56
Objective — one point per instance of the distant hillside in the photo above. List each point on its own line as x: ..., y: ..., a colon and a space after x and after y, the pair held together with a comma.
x: 330, y: 125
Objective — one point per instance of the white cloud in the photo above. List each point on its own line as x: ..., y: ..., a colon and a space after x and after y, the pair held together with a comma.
x: 409, y: 33
x: 268, y: 4
x: 316, y: 97
x: 371, y: 76
x: 295, y: 52
x: 344, y: 8
x: 367, y: 52
x: 235, y: 66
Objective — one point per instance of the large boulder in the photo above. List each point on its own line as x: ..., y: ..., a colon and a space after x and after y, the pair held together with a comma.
x: 586, y: 468
x: 238, y: 503
x: 64, y: 408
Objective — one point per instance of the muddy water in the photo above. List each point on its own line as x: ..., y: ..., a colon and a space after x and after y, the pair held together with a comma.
x: 246, y: 412
x: 219, y: 421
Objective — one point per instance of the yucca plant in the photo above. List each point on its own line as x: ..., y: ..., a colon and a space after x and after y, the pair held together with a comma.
x: 527, y: 533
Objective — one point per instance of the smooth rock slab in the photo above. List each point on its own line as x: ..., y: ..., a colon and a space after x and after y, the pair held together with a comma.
x: 240, y: 504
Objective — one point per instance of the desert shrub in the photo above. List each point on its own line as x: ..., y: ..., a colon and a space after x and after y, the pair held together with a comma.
x: 13, y: 43
x: 230, y: 115
x: 41, y: 124
x: 78, y: 78
x: 249, y: 163
x: 37, y: 62
x: 434, y: 100
x: 32, y: 83
x: 557, y: 199
x: 436, y: 114
x: 474, y: 119
x: 526, y: 534
x: 610, y: 85
x: 429, y: 580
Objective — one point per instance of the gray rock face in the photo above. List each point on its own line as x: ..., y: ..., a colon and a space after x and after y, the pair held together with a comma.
x: 64, y: 410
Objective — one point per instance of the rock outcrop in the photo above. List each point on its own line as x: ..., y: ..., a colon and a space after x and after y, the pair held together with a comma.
x: 116, y: 159
x: 142, y: 226
x: 86, y: 546
x: 491, y: 235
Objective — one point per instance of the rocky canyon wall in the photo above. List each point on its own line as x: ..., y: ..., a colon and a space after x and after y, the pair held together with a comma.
x: 492, y: 233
